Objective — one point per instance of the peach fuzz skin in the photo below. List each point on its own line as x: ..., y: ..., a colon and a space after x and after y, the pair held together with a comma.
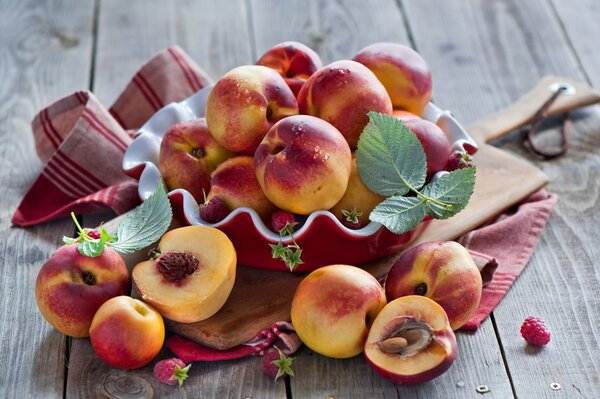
x: 188, y: 155
x: 303, y: 164
x: 234, y: 181
x: 294, y: 61
x: 333, y: 307
x: 357, y: 196
x: 442, y: 271
x: 64, y: 298
x: 343, y: 93
x: 404, y: 73
x: 434, y: 142
x: 126, y: 333
x: 245, y: 103
x: 428, y: 362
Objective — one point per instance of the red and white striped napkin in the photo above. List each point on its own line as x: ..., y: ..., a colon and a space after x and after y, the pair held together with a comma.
x: 82, y: 143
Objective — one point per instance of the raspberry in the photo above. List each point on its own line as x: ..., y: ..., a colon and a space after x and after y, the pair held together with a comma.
x: 214, y: 210
x: 280, y: 219
x: 93, y: 234
x: 459, y: 160
x: 351, y: 219
x: 276, y: 364
x: 171, y: 371
x: 535, y: 331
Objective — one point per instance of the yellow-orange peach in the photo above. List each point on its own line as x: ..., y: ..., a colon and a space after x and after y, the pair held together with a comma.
x: 193, y: 276
x: 126, y: 333
x: 333, y: 308
x: 235, y: 182
x: 343, y: 93
x: 294, y: 61
x: 404, y: 73
x: 358, y: 197
x: 70, y: 287
x: 443, y: 271
x: 188, y: 155
x: 303, y: 164
x: 245, y: 103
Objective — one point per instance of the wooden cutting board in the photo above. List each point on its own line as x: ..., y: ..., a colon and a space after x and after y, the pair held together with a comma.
x: 260, y: 298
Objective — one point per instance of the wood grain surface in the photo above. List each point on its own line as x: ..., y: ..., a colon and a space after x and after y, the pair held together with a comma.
x: 45, y: 53
x: 483, y: 54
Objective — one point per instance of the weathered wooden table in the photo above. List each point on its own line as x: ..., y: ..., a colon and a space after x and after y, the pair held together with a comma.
x: 483, y: 54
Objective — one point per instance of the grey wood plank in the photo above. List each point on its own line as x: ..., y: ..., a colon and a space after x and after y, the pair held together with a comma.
x: 216, y: 36
x: 341, y: 30
x: 580, y: 20
x: 45, y: 54
x: 508, y: 47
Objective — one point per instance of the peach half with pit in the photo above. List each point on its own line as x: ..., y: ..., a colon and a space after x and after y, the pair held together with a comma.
x: 192, y: 276
x: 443, y: 271
x: 333, y: 307
x: 411, y: 341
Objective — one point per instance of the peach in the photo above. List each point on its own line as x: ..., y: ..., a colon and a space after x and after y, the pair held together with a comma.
x: 245, y: 103
x: 404, y: 115
x: 342, y: 93
x: 188, y: 155
x: 126, y: 333
x: 333, y: 307
x: 303, y: 164
x: 235, y: 183
x: 357, y: 197
x: 294, y: 61
x: 442, y: 271
x: 70, y: 287
x: 404, y: 73
x: 193, y: 276
x: 434, y: 142
x: 411, y: 341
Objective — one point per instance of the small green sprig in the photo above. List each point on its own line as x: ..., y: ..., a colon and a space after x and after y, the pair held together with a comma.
x: 290, y: 254
x: 143, y: 226
x: 283, y: 364
x: 352, y: 216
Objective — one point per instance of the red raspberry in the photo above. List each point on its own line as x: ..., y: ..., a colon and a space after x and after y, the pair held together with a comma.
x: 280, y: 219
x: 214, y: 210
x: 93, y: 234
x: 459, y: 160
x: 535, y: 331
x: 276, y: 364
x: 171, y: 371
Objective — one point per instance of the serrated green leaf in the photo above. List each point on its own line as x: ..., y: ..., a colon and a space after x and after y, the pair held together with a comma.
x: 390, y: 158
x: 146, y: 224
x: 90, y: 249
x: 399, y: 214
x: 454, y: 189
x: 104, y: 236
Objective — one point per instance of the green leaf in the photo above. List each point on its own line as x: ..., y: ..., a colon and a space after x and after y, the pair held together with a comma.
x: 390, y: 158
x: 453, y: 189
x: 146, y: 224
x: 399, y: 214
x: 283, y: 364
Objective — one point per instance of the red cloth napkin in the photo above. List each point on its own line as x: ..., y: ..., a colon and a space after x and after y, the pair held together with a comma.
x: 83, y: 144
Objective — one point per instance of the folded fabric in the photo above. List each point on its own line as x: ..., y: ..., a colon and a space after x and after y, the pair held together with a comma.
x: 510, y: 239
x: 82, y: 143
x: 282, y: 335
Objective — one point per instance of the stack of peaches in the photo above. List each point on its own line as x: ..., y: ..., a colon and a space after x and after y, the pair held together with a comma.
x: 281, y: 134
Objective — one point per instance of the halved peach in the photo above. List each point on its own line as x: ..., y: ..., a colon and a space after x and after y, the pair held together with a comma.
x: 411, y: 341
x: 193, y: 276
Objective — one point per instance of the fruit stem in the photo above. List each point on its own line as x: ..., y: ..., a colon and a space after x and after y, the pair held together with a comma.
x: 79, y: 228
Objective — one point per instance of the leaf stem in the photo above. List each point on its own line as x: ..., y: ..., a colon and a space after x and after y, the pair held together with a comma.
x: 79, y: 228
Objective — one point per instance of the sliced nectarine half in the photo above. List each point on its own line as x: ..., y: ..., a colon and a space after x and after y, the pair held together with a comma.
x: 411, y: 341
x: 191, y: 277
